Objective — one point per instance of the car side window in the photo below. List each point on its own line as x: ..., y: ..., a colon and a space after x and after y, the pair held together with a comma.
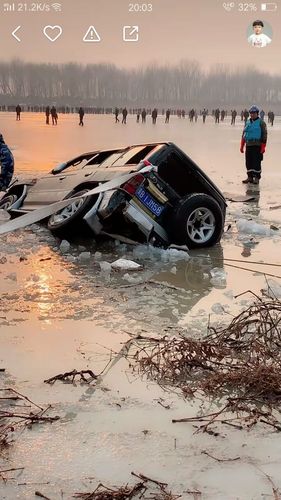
x: 73, y: 165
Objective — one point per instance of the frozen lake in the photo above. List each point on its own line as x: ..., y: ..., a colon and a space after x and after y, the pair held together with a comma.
x: 214, y: 147
x: 60, y: 311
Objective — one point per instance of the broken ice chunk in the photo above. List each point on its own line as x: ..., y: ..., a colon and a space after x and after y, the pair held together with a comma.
x: 105, y: 267
x: 125, y: 264
x: 64, y: 246
x: 218, y: 277
x: 251, y: 227
x: 132, y: 279
x: 84, y: 256
x: 97, y: 255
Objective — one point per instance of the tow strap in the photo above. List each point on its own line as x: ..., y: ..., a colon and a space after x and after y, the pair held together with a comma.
x: 47, y: 211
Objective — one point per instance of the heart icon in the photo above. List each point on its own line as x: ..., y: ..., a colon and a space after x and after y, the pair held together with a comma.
x: 52, y: 32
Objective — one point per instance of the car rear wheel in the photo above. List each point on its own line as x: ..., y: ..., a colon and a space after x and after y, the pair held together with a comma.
x: 8, y: 201
x: 69, y: 221
x: 198, y: 221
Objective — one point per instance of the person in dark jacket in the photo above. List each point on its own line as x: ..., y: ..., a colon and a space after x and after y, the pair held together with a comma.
x: 245, y: 115
x: 54, y: 115
x: 81, y: 113
x: 217, y: 115
x: 116, y: 113
x: 168, y: 113
x: 233, y: 116
x: 47, y: 113
x: 271, y: 117
x: 18, y: 112
x: 204, y: 114
x: 154, y: 115
x: 124, y: 115
x: 6, y: 163
x: 254, y: 136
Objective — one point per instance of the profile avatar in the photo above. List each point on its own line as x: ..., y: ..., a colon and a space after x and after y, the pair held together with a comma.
x: 258, y: 39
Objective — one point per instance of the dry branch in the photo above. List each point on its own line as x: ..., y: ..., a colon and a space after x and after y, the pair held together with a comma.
x: 204, y: 452
x: 12, y: 421
x: 239, y: 364
x: 104, y: 493
x: 71, y: 376
x: 147, y: 489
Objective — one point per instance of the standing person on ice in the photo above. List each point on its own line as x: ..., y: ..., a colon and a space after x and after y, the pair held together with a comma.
x: 6, y: 164
x: 254, y: 136
x: 81, y: 113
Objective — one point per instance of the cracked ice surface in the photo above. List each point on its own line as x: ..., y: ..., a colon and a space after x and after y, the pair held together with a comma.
x: 62, y: 312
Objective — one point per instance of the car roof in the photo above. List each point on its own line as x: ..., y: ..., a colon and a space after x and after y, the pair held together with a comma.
x: 124, y: 148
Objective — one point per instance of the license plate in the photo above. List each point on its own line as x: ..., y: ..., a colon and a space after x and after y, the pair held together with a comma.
x: 149, y: 202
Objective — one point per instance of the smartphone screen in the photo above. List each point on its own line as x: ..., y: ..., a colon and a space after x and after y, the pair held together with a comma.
x: 160, y: 120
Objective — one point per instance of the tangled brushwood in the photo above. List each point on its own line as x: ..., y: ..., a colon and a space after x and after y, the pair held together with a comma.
x: 240, y: 364
x: 13, y: 419
x: 146, y: 489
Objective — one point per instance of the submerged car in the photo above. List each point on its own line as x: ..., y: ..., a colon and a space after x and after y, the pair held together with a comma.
x: 167, y: 199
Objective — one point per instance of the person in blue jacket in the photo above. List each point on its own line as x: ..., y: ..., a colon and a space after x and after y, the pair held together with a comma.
x: 6, y: 163
x: 254, y: 136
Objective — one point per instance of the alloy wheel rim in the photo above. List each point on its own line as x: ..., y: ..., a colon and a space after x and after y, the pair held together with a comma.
x: 201, y: 225
x: 67, y: 212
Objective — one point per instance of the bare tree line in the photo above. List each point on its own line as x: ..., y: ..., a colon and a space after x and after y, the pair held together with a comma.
x: 181, y: 85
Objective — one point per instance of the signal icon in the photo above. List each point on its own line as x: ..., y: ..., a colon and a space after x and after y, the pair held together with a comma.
x: 57, y: 7
x: 8, y: 7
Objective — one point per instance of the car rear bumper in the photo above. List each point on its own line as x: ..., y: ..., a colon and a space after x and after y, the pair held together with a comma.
x: 146, y: 225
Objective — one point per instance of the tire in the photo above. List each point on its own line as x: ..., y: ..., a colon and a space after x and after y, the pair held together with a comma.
x: 7, y: 202
x: 198, y: 222
x: 69, y: 221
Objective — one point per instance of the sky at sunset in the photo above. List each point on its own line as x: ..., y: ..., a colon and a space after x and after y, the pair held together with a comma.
x: 175, y: 30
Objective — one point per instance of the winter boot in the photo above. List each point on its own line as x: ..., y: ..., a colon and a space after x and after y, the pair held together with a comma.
x: 249, y: 179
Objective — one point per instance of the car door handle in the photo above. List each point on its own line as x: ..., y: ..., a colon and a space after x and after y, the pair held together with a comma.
x: 61, y: 178
x: 87, y: 175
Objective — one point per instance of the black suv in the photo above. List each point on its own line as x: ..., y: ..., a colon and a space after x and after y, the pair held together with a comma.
x: 166, y: 198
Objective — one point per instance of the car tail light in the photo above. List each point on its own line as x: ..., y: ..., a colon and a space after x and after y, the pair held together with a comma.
x: 132, y: 185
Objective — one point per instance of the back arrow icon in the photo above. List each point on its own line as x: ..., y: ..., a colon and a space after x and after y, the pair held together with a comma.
x: 14, y: 34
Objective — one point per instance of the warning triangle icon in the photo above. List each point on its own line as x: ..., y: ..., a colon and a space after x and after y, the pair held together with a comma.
x: 91, y: 35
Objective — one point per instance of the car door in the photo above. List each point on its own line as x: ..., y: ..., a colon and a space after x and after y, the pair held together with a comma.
x: 56, y: 185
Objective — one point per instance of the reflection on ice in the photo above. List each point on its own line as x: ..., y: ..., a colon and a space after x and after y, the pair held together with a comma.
x: 273, y: 289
